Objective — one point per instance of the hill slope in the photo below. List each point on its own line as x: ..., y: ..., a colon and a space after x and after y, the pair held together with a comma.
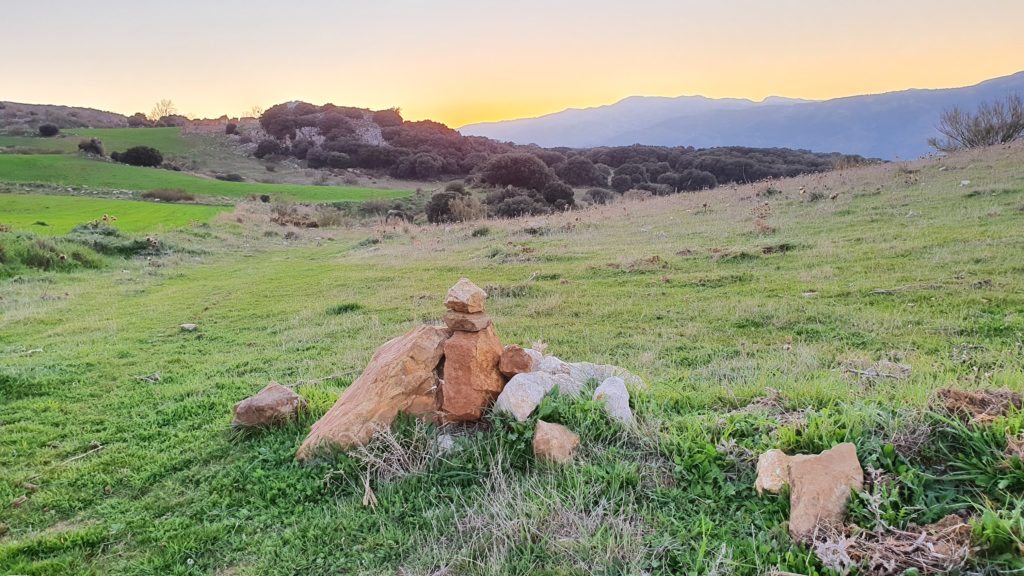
x: 891, y: 125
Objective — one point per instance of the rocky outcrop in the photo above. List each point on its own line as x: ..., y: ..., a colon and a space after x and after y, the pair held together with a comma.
x: 273, y: 404
x: 401, y: 377
x: 554, y: 442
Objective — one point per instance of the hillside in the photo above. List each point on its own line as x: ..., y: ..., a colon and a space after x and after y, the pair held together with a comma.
x: 26, y: 118
x: 892, y: 125
x: 822, y: 309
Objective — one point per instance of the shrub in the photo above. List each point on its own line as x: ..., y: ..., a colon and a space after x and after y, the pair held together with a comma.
x: 517, y: 169
x: 230, y: 177
x: 466, y: 208
x: 438, y: 208
x: 268, y: 147
x: 600, y: 195
x: 996, y: 122
x: 511, y: 202
x: 169, y: 195
x: 388, y: 118
x: 480, y: 232
x: 559, y: 195
x: 231, y: 128
x: 91, y: 146
x: 106, y: 239
x: 320, y: 158
x: 621, y: 183
x: 48, y: 130
x: 579, y: 171
x: 139, y: 156
x: 138, y: 120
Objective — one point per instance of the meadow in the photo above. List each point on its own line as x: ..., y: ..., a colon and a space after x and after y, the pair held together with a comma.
x: 114, y: 426
x: 50, y: 214
x: 76, y: 171
x: 167, y: 140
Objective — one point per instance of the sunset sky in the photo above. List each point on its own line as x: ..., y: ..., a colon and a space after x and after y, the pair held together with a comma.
x: 467, y: 61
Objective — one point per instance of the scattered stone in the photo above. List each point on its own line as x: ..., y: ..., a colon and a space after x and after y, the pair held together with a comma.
x: 273, y: 404
x: 401, y: 377
x: 515, y: 360
x: 19, y: 501
x: 466, y: 322
x: 583, y: 372
x: 445, y: 443
x: 471, y: 377
x: 616, y: 399
x: 820, y: 487
x: 189, y: 327
x: 465, y: 297
x: 30, y: 487
x: 979, y: 406
x: 554, y: 442
x: 523, y: 394
x: 4, y: 529
x: 772, y: 472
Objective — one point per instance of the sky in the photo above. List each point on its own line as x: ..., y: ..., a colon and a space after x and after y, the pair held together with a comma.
x: 460, y: 62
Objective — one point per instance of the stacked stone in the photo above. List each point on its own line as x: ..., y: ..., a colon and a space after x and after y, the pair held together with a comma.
x: 472, y: 379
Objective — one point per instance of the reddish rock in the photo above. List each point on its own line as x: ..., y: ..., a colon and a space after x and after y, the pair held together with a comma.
x: 272, y: 405
x: 820, y: 487
x: 401, y: 377
x: 466, y: 322
x: 471, y: 376
x: 465, y: 297
x: 554, y: 442
x: 515, y: 360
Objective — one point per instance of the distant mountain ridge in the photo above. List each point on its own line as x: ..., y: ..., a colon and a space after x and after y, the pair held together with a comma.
x: 890, y: 125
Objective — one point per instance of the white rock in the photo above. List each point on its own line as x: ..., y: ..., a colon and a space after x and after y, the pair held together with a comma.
x: 616, y: 399
x: 189, y: 327
x: 445, y: 443
x: 552, y: 365
x: 537, y: 356
x: 583, y: 372
x: 523, y: 393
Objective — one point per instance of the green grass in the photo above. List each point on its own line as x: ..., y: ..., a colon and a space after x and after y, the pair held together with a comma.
x: 66, y: 170
x: 174, y: 491
x: 167, y: 140
x: 62, y: 213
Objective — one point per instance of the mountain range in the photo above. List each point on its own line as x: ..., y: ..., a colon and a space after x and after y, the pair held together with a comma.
x: 892, y: 125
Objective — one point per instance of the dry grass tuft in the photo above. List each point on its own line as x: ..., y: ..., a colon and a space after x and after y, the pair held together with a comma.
x: 937, y: 548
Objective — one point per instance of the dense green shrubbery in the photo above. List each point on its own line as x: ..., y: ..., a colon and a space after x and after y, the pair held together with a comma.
x: 144, y: 156
x: 91, y: 146
x: 512, y: 202
x: 48, y: 130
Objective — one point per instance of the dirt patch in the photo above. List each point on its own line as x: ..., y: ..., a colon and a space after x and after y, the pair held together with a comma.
x: 979, y: 406
x: 932, y: 549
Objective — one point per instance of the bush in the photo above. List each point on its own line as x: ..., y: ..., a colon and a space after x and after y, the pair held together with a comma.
x: 231, y: 128
x: 388, y: 118
x: 268, y: 147
x: 230, y: 177
x: 139, y: 156
x: 992, y: 123
x: 517, y: 169
x: 600, y: 195
x: 169, y: 195
x: 48, y: 130
x: 560, y: 196
x: 579, y: 171
x: 106, y: 239
x: 621, y: 183
x: 466, y: 208
x: 511, y: 202
x: 439, y: 207
x: 138, y: 120
x: 91, y: 146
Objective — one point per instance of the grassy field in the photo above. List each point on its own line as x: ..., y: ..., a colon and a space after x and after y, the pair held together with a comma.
x: 114, y: 434
x: 77, y: 171
x: 167, y: 140
x: 62, y: 213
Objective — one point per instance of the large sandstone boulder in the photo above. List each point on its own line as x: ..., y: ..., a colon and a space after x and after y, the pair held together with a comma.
x: 515, y: 360
x: 465, y: 297
x: 523, y: 394
x: 616, y: 399
x: 471, y: 377
x: 820, y: 487
x: 273, y: 404
x: 401, y: 377
x: 554, y: 442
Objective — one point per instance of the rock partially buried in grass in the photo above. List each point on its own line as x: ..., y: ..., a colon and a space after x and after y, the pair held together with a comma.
x: 616, y: 399
x: 773, y: 471
x: 820, y: 487
x: 554, y: 442
x: 189, y: 327
x: 523, y: 394
x: 465, y: 297
x: 274, y: 404
x: 401, y: 377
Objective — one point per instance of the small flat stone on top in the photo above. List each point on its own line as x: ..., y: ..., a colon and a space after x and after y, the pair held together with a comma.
x: 465, y: 297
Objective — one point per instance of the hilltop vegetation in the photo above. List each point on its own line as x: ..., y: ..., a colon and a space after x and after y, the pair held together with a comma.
x: 761, y: 316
